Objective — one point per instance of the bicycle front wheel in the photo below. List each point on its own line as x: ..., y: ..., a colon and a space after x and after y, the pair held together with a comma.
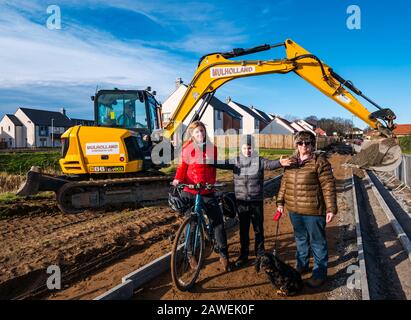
x: 187, y: 255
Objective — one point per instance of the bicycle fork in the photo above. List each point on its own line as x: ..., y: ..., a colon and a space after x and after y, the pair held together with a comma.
x: 196, y: 223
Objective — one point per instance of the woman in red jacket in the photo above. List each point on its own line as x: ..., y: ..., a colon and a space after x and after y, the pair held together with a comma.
x: 195, y: 167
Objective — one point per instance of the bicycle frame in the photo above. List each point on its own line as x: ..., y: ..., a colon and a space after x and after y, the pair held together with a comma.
x: 198, y: 207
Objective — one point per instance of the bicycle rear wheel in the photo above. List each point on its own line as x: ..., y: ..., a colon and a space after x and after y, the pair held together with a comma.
x: 188, y: 244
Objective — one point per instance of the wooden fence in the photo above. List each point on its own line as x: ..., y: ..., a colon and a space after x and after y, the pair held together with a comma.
x: 268, y: 141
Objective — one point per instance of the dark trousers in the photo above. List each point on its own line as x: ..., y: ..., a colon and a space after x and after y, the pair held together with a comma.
x: 215, y: 216
x: 309, y: 233
x: 251, y: 212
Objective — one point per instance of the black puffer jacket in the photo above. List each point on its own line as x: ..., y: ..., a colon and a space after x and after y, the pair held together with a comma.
x: 249, y: 175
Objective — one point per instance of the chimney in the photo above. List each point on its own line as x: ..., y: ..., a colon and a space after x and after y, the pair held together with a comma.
x: 228, y: 99
x: 179, y: 82
x: 63, y: 111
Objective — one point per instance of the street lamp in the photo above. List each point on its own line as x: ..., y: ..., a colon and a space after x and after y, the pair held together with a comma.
x: 52, y: 132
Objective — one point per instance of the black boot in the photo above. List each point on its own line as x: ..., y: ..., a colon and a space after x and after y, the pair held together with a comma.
x: 241, y: 261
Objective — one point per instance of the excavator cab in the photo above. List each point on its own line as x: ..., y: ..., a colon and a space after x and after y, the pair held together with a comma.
x: 136, y: 110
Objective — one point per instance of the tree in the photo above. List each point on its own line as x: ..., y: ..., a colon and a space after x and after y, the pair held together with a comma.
x: 336, y: 124
x: 290, y: 117
x: 312, y: 120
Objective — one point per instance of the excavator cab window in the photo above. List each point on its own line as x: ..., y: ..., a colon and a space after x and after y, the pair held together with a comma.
x: 123, y: 110
x: 153, y: 107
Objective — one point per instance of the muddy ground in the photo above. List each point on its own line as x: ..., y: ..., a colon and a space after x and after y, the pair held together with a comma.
x: 96, y: 249
x: 31, y: 244
x: 245, y: 283
x: 35, y: 235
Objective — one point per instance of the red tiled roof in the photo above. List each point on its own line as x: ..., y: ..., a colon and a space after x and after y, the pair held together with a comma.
x: 403, y: 129
x: 320, y: 132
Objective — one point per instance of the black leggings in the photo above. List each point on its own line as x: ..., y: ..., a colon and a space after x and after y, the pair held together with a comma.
x: 215, y: 216
x: 251, y: 212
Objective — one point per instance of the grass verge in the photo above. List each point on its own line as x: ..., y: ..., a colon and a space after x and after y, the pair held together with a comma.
x: 20, y: 163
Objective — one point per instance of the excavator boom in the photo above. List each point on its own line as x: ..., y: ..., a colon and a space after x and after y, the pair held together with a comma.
x: 216, y: 69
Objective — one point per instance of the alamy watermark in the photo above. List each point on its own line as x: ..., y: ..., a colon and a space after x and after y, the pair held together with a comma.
x: 54, y: 19
x: 54, y: 280
x: 354, y: 280
x: 354, y: 18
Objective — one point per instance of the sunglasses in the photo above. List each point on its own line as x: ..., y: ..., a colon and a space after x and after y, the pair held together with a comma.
x: 300, y: 143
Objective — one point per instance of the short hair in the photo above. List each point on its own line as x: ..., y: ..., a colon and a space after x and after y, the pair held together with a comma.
x: 305, y: 135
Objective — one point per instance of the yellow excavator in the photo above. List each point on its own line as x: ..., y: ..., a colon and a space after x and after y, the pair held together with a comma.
x: 116, y: 154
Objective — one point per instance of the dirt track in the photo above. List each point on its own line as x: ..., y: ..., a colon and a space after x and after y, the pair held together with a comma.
x: 244, y: 283
x: 125, y: 240
x: 32, y: 243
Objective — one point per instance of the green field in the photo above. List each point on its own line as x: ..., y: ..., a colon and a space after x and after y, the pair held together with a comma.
x: 405, y: 143
x: 8, y: 197
x: 20, y: 163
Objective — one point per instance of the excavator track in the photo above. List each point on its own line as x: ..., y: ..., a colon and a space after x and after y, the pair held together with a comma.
x: 77, y: 196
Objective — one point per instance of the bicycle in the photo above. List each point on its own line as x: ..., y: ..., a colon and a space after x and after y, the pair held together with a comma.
x: 190, y: 241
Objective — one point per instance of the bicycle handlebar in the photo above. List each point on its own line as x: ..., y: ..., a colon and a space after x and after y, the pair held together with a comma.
x: 199, y: 186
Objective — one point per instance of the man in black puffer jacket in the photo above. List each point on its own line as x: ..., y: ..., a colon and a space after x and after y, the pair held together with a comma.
x: 248, y: 169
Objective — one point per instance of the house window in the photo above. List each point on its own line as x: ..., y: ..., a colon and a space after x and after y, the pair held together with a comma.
x: 43, y: 142
x: 257, y: 124
x: 43, y: 131
x: 218, y: 115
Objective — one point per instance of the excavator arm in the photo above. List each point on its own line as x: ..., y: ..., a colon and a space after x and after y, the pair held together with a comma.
x: 216, y: 69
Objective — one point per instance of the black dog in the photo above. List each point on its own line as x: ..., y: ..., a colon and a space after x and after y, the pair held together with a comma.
x: 283, y: 277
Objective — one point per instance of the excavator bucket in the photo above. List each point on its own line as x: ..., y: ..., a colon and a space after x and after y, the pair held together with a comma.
x: 37, y: 182
x: 383, y: 154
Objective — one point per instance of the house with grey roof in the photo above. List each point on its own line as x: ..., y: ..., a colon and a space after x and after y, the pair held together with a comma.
x: 253, y: 121
x: 276, y: 128
x: 11, y: 131
x: 264, y: 115
x: 218, y: 117
x: 30, y: 128
x: 306, y: 126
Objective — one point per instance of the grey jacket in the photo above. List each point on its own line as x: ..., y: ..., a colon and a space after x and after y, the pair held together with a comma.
x: 249, y: 175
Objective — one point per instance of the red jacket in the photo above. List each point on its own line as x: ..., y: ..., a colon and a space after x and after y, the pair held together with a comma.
x: 194, y: 169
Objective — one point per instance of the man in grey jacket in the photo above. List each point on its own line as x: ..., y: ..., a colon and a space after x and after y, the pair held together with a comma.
x: 248, y: 168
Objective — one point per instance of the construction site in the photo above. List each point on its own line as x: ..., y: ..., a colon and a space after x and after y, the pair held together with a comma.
x: 159, y: 195
x: 97, y: 250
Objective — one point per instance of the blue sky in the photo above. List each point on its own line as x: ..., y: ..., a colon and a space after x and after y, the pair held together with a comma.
x: 133, y: 44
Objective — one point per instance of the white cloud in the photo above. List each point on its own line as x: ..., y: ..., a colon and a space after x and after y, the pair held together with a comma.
x: 70, y: 62
x: 32, y: 55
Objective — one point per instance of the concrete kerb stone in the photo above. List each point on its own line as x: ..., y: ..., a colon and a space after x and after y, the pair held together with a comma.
x: 361, y: 258
x: 123, y: 291
x: 401, y: 235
